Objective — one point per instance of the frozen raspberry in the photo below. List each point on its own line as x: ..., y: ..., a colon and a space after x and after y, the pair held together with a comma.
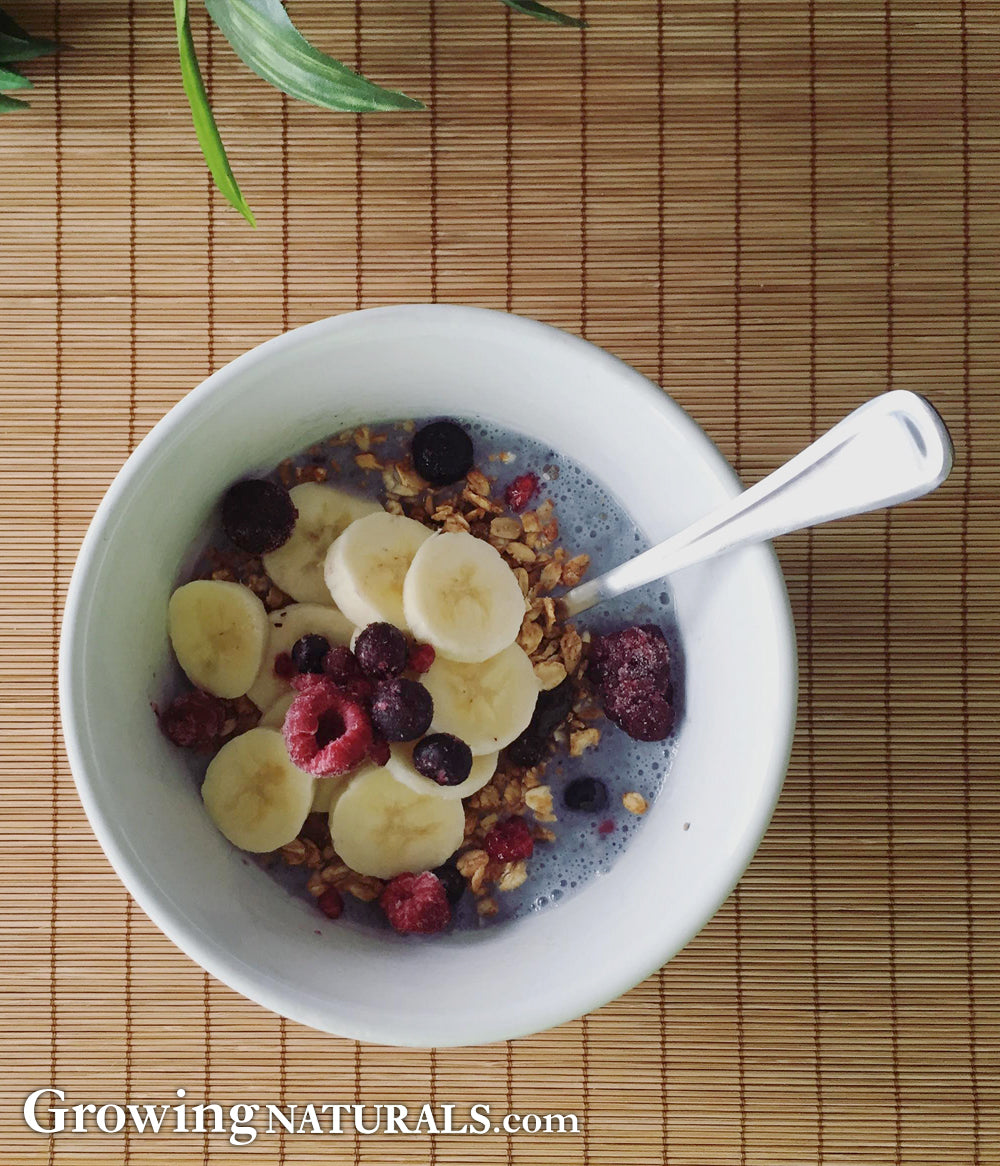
x: 442, y: 452
x: 341, y: 665
x: 381, y: 651
x: 284, y: 666
x: 520, y: 492
x: 640, y: 707
x: 509, y: 841
x: 326, y: 732
x: 402, y: 710
x: 606, y: 827
x: 416, y: 903
x: 421, y: 658
x: 631, y: 654
x: 330, y: 903
x: 378, y: 752
x: 194, y: 720
x: 309, y: 652
x: 443, y: 758
x: 258, y: 515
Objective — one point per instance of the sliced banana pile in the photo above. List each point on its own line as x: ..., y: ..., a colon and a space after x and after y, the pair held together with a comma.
x: 348, y: 563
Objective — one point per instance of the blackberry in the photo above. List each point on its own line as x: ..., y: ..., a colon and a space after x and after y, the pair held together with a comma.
x: 586, y: 793
x: 443, y: 758
x: 258, y: 515
x: 402, y: 710
x: 381, y: 651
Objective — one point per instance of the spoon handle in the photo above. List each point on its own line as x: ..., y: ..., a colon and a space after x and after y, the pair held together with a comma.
x: 889, y: 450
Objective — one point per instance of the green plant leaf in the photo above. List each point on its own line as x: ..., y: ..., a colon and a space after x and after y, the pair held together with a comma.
x: 10, y: 104
x: 201, y: 112
x: 19, y: 46
x: 266, y: 41
x: 12, y: 79
x: 542, y: 12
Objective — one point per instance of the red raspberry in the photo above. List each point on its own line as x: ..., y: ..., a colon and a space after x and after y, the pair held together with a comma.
x: 284, y: 666
x: 421, y: 658
x: 416, y: 903
x: 378, y: 752
x: 194, y: 720
x: 330, y: 903
x: 508, y: 841
x: 327, y: 733
x: 520, y: 492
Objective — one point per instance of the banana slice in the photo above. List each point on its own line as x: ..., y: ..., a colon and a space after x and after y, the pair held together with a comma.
x: 461, y: 597
x: 324, y: 513
x: 381, y: 827
x: 254, y: 794
x: 274, y: 718
x: 400, y: 765
x: 486, y: 704
x: 287, y: 625
x: 218, y: 632
x: 366, y: 566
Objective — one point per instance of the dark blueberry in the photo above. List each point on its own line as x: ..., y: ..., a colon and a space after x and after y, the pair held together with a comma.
x: 442, y: 452
x: 452, y: 881
x: 528, y: 749
x: 381, y: 651
x: 309, y: 652
x: 552, y: 708
x: 258, y: 516
x: 402, y: 710
x: 586, y: 793
x: 443, y: 758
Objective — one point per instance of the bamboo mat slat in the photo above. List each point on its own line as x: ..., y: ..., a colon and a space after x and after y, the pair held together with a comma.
x: 774, y: 208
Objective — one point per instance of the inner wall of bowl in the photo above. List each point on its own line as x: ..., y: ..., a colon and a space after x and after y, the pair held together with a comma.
x: 236, y: 920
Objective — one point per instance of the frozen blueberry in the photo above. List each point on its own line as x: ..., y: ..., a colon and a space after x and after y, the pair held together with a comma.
x: 258, y: 515
x: 402, y: 710
x: 443, y: 758
x: 452, y: 881
x: 528, y: 749
x: 381, y: 651
x: 586, y: 793
x: 552, y: 708
x: 442, y: 452
x: 309, y: 652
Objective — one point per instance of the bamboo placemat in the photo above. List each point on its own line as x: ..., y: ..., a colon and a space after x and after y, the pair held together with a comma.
x: 775, y: 208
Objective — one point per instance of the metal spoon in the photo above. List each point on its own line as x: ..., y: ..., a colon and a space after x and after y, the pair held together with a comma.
x: 889, y: 450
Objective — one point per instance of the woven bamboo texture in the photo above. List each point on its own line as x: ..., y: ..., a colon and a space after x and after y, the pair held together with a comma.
x: 774, y: 208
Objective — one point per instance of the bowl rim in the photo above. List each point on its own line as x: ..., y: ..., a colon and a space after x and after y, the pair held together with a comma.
x: 620, y: 976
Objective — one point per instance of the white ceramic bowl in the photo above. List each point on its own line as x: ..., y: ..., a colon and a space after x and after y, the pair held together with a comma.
x: 232, y: 918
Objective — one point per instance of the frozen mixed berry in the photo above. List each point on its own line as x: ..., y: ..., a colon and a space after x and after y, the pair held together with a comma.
x: 258, y: 515
x: 520, y: 492
x: 331, y: 903
x: 378, y: 752
x: 443, y: 758
x: 416, y: 903
x: 586, y: 793
x: 451, y: 880
x: 341, y: 665
x: 326, y: 731
x: 381, y: 651
x: 631, y: 654
x: 442, y: 452
x: 194, y: 720
x: 309, y: 652
x: 358, y: 689
x: 402, y: 710
x: 421, y: 658
x: 528, y: 749
x: 510, y: 840
x: 640, y: 707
